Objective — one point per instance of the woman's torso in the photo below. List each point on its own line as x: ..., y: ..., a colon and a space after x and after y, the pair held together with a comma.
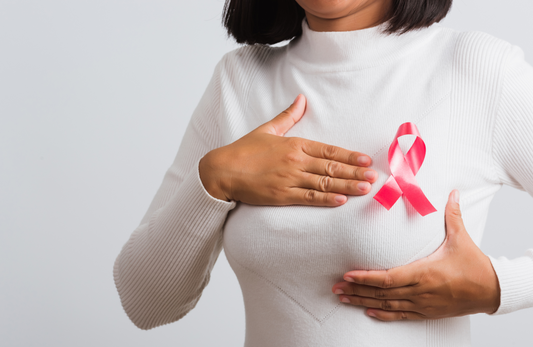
x: 287, y: 258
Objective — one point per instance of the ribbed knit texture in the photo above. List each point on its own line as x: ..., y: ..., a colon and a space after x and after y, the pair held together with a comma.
x: 471, y: 97
x: 513, y: 153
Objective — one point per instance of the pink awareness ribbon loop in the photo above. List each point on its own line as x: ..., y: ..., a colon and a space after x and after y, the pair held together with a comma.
x: 403, y: 170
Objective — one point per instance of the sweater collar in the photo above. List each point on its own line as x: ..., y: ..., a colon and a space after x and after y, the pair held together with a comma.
x: 353, y: 50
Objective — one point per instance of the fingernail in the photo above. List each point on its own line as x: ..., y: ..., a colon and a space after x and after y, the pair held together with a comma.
x: 349, y: 279
x: 456, y: 196
x: 340, y: 199
x: 345, y: 299
x: 371, y: 314
x: 339, y: 291
x: 362, y: 160
x: 296, y: 99
x: 363, y: 186
x: 370, y: 175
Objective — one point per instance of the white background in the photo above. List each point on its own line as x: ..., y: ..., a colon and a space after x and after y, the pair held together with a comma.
x: 94, y: 99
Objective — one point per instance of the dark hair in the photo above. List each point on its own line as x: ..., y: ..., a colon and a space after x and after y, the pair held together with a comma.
x: 273, y: 21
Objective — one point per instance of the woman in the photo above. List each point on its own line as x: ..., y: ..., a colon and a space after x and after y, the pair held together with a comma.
x: 308, y: 228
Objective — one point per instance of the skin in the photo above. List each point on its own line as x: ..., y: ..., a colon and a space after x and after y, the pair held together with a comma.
x: 456, y: 280
x: 345, y: 15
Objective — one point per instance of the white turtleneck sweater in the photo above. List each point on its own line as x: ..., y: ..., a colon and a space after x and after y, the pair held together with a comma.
x: 471, y: 97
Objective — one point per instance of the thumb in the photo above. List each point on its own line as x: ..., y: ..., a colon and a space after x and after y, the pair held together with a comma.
x: 453, y: 218
x: 280, y: 124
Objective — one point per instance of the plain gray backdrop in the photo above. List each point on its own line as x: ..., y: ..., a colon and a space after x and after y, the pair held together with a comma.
x: 94, y: 100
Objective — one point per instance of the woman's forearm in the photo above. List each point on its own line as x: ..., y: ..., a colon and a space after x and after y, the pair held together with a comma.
x: 162, y: 270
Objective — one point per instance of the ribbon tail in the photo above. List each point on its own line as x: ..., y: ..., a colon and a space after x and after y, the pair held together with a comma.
x: 422, y: 205
x: 389, y: 193
x: 417, y: 198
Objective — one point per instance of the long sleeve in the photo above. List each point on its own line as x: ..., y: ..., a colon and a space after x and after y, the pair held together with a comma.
x: 164, y: 266
x: 513, y: 155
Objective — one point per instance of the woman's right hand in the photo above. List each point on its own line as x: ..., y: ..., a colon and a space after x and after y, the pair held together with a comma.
x: 265, y: 168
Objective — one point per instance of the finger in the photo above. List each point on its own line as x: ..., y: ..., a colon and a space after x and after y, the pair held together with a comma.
x: 325, y: 151
x: 403, y: 293
x: 386, y: 305
x: 311, y: 197
x: 337, y: 185
x: 393, y: 278
x: 280, y: 124
x: 389, y: 316
x: 453, y: 219
x: 337, y: 169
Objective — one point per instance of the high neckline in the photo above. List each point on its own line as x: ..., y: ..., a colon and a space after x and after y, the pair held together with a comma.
x: 323, y: 51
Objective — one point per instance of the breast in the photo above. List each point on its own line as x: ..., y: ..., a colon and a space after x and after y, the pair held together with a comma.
x: 302, y: 251
x: 361, y: 234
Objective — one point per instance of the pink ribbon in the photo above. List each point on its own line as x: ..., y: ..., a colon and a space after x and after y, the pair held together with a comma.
x: 403, y: 170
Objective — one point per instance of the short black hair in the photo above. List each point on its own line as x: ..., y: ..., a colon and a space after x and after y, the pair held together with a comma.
x: 272, y: 21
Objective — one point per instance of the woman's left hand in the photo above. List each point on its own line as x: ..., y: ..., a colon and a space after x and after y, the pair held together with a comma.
x: 456, y: 280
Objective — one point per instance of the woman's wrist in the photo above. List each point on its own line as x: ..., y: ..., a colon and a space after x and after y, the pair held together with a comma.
x: 210, y: 178
x: 493, y: 289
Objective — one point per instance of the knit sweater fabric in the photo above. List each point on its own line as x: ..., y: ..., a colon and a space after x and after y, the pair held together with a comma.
x: 471, y: 97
